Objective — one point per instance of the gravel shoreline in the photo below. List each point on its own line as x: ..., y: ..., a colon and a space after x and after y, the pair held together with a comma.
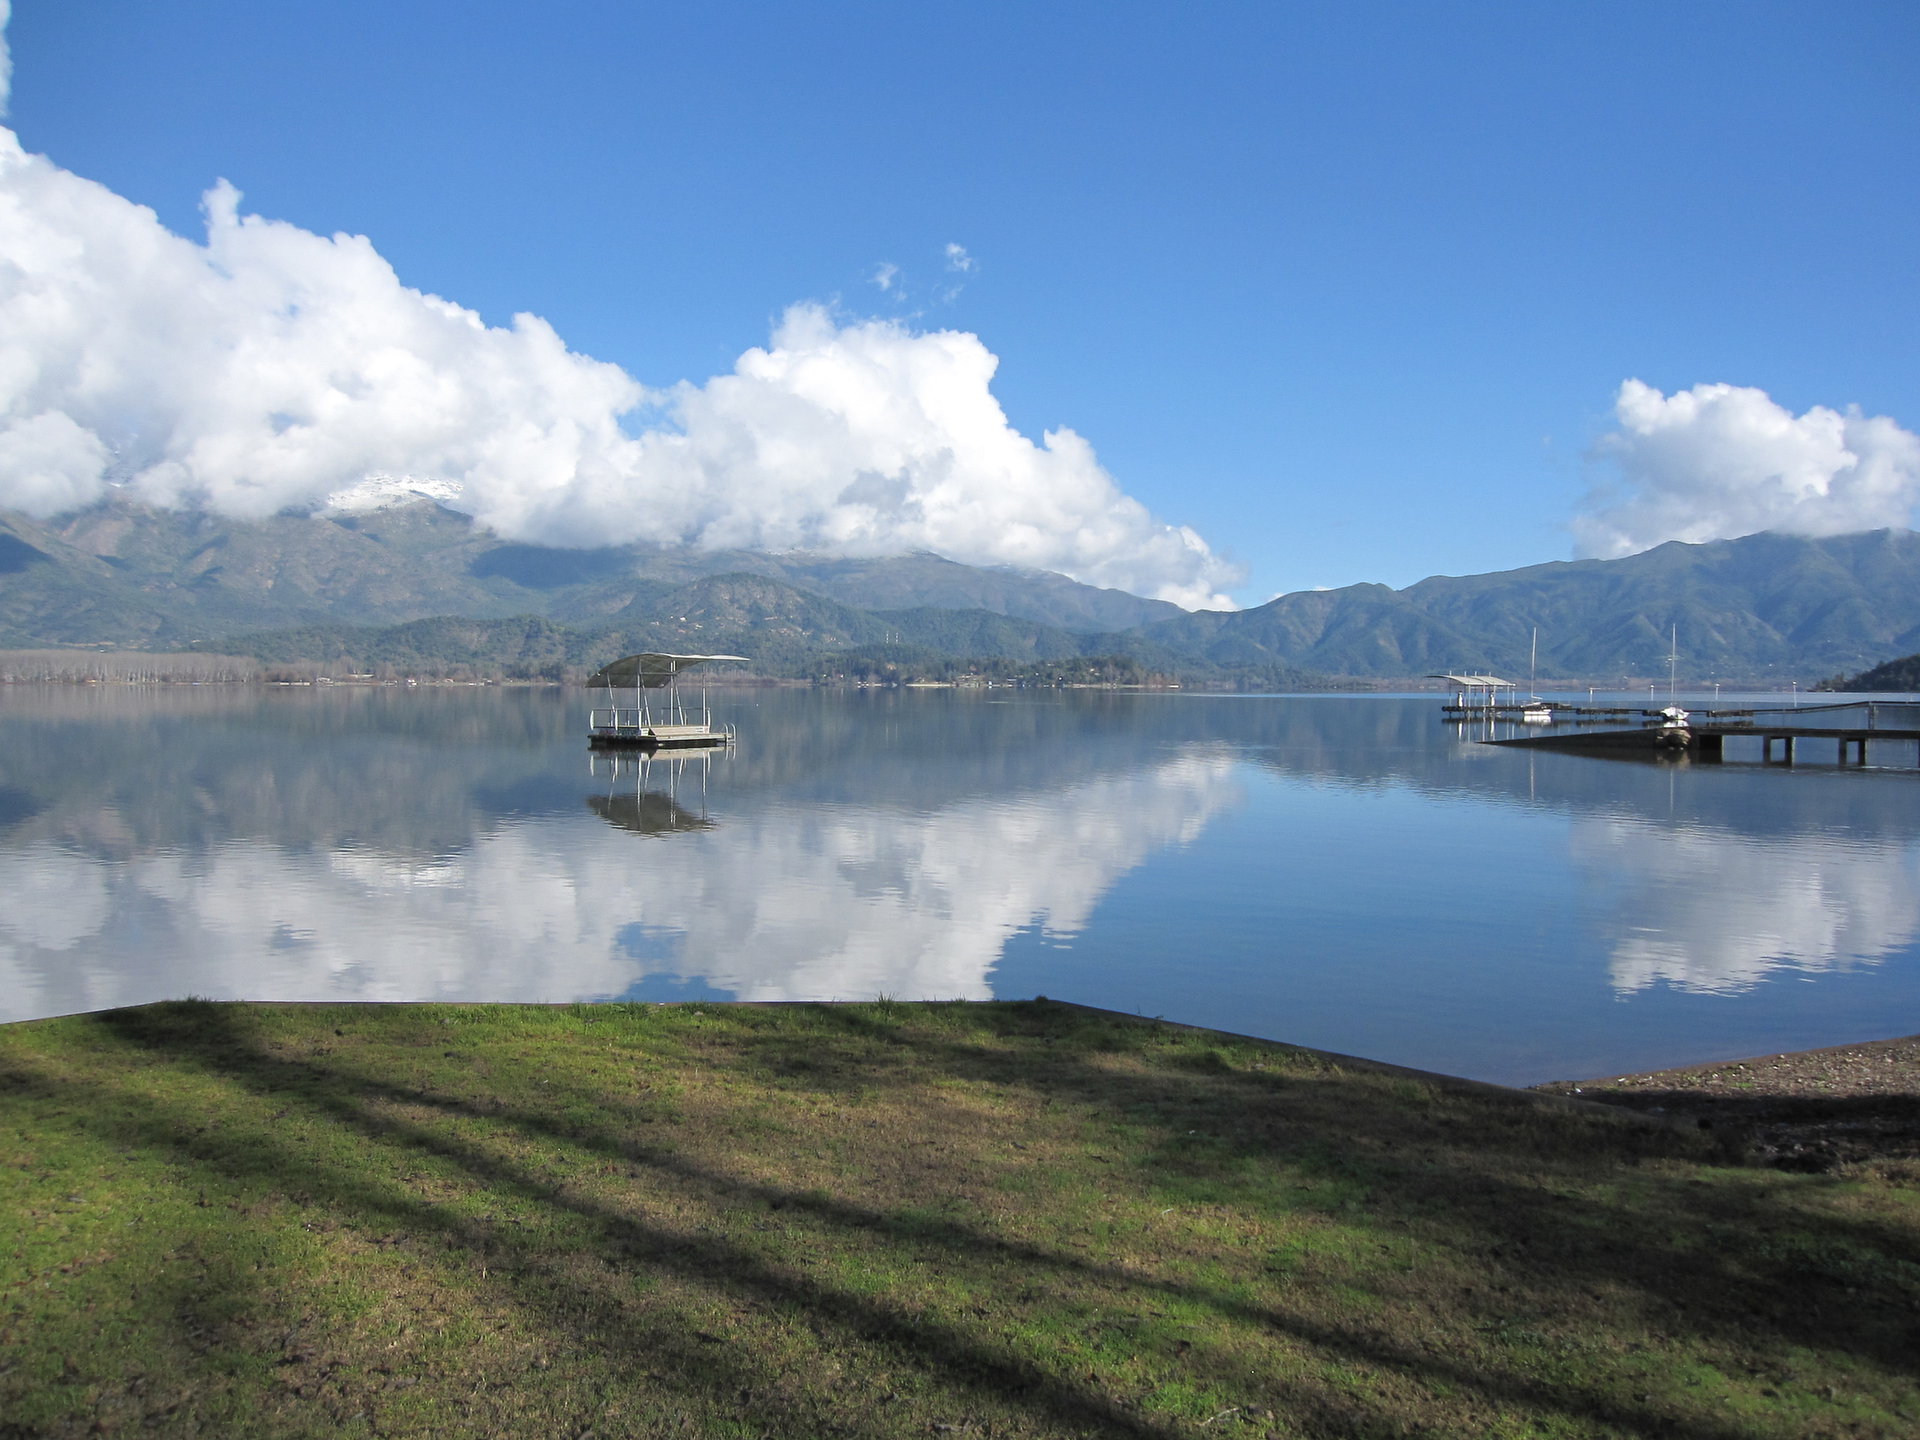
x: 1812, y: 1110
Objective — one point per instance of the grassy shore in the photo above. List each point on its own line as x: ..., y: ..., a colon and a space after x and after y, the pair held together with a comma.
x: 894, y: 1219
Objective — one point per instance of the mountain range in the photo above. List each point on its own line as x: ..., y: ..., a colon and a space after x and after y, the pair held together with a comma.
x: 127, y: 575
x: 1762, y: 607
x: 419, y: 583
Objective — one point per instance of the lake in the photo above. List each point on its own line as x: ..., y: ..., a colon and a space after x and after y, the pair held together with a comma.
x: 1342, y: 872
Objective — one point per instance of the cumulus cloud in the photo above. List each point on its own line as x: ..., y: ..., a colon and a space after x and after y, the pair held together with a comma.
x: 271, y: 368
x: 958, y: 259
x: 1719, y: 461
x: 885, y: 273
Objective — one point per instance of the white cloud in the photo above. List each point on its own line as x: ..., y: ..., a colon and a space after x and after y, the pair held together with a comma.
x: 272, y: 368
x: 958, y: 259
x: 885, y: 273
x: 50, y: 463
x: 1719, y: 461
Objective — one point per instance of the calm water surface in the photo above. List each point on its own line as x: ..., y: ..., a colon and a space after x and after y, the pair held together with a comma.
x: 1339, y: 872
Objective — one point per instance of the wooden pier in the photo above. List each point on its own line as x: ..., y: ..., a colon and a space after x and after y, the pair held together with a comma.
x: 1781, y: 740
x: 1851, y: 742
x: 1514, y: 710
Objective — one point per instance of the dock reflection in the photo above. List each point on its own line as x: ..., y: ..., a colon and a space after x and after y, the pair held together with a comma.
x: 652, y: 794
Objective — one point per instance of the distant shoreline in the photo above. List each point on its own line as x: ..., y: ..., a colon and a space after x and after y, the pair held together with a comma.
x: 139, y: 667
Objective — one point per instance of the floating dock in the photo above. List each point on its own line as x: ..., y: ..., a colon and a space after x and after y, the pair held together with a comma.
x: 656, y: 716
x: 1513, y: 710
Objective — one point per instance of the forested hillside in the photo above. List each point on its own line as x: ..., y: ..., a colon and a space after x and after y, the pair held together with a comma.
x: 1765, y: 607
x: 418, y: 585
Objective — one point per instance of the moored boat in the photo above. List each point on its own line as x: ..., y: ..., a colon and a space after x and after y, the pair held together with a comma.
x: 1536, y: 711
x: 1670, y: 730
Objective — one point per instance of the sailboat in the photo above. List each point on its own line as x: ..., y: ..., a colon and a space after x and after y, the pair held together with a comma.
x: 1669, y: 724
x: 1536, y: 711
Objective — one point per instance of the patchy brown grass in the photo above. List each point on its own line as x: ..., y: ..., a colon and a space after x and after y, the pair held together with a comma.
x: 889, y: 1219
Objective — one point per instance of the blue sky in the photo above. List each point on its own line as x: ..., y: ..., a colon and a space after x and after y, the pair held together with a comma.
x: 1349, y: 289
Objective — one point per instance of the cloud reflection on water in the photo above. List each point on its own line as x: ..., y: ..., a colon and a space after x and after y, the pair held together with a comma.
x: 1386, y: 888
x: 1709, y: 911
x: 787, y: 901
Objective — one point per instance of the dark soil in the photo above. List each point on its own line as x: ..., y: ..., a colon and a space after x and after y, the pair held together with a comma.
x: 1815, y: 1110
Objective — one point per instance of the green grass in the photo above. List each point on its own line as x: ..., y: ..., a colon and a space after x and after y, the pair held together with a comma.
x: 892, y: 1219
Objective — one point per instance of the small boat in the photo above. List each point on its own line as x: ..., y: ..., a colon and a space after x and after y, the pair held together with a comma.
x: 1536, y: 711
x: 1669, y: 726
x: 1669, y: 723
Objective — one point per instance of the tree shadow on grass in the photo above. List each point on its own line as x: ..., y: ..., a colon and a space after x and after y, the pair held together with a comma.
x: 1491, y: 1167
x: 709, y: 1372
x: 1810, y: 1134
x: 1490, y: 1195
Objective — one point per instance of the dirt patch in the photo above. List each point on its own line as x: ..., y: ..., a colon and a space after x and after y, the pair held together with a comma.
x: 1814, y: 1110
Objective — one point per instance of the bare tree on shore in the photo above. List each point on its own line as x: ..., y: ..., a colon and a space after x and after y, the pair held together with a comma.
x: 123, y: 667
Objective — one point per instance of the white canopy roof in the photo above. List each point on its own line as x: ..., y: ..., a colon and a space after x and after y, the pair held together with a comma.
x: 1492, y: 681
x: 649, y: 670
